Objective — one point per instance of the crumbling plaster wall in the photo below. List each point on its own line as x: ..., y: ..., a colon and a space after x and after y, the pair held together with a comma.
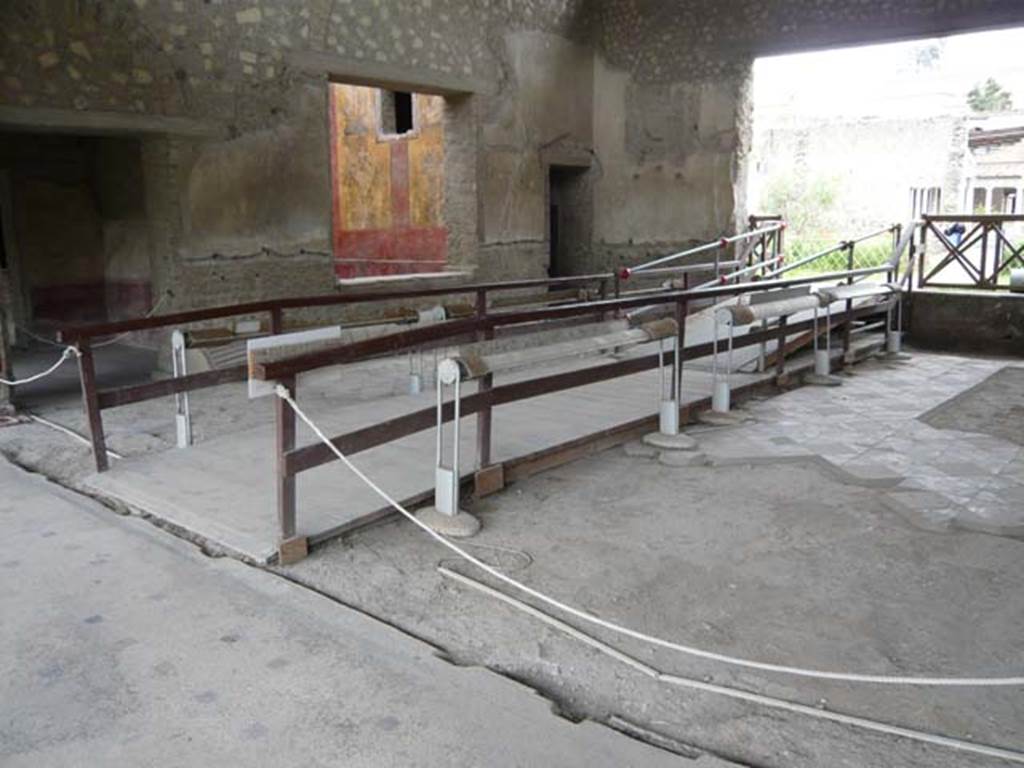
x: 542, y: 111
x: 651, y: 94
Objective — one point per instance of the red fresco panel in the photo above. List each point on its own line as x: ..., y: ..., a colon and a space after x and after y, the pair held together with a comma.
x: 365, y: 252
x: 400, y: 184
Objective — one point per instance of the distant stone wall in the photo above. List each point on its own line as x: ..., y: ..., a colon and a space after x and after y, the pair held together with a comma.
x: 871, y: 164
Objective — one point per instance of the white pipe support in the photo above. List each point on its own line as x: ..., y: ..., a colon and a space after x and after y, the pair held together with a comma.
x: 746, y: 314
x: 721, y: 397
x: 182, y: 411
x: 446, y: 516
x: 473, y: 365
x: 835, y: 293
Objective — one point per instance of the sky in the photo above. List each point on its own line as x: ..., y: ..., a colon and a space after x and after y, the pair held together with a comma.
x: 922, y: 77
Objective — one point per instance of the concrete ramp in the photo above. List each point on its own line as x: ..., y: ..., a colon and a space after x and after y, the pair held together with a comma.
x: 223, y: 491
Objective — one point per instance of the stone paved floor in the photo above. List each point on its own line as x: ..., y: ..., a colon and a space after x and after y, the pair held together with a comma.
x: 872, y: 428
x: 801, y: 544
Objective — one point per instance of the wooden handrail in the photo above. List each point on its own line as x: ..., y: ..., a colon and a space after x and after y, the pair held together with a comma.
x: 74, y: 333
x: 315, y: 454
x: 349, y: 353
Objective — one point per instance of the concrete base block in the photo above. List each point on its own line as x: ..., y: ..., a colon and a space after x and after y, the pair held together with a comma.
x: 719, y: 419
x: 894, y: 357
x: 489, y: 480
x: 639, y: 449
x: 817, y: 380
x: 670, y: 442
x: 784, y: 381
x: 292, y: 550
x: 459, y: 526
x: 684, y: 459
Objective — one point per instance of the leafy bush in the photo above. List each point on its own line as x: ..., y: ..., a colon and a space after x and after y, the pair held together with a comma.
x: 807, y: 205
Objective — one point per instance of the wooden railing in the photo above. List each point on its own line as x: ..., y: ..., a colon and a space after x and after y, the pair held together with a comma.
x: 96, y: 400
x: 979, y: 253
x: 292, y: 460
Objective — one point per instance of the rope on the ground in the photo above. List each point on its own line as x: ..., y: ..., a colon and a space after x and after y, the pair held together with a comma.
x: 68, y: 352
x: 735, y: 693
x: 590, y: 618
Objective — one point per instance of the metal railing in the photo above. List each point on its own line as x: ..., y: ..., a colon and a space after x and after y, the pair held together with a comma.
x: 975, y: 251
x: 759, y: 235
x: 844, y: 254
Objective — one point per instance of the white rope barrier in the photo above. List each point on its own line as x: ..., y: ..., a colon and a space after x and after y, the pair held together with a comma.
x: 590, y: 618
x: 734, y: 693
x: 68, y: 352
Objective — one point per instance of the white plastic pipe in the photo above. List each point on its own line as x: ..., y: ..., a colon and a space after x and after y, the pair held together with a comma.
x: 822, y: 362
x: 476, y: 365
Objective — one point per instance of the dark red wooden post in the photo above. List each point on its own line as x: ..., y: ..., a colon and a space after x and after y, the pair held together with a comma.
x: 284, y: 418
x: 485, y: 383
x: 87, y: 374
x: 276, y: 320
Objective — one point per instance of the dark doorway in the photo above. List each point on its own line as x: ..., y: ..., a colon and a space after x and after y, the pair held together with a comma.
x: 569, y: 220
x: 75, y: 228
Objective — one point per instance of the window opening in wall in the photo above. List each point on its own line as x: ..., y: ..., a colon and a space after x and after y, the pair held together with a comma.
x: 1004, y: 200
x: 396, y: 113
x: 978, y: 204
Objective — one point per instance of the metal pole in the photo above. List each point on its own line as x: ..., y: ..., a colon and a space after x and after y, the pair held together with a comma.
x: 828, y: 334
x: 848, y: 326
x: 182, y: 412
x: 6, y: 371
x: 455, y: 447
x: 680, y: 348
x: 780, y: 355
x: 720, y: 244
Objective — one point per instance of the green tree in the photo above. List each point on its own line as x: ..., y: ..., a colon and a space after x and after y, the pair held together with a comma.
x: 989, y: 96
x: 807, y: 204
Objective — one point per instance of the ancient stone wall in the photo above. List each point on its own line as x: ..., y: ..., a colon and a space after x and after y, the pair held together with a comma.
x: 651, y: 97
